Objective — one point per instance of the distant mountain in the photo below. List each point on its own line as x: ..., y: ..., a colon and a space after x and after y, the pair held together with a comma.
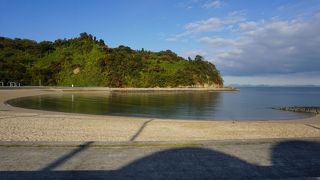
x: 86, y: 61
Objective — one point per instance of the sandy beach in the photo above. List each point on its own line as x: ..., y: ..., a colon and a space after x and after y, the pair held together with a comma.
x: 19, y: 124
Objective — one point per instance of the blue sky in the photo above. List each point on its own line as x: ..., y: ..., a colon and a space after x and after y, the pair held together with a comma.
x: 251, y: 42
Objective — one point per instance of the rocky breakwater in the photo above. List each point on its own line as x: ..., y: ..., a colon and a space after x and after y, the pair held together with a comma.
x: 312, y: 109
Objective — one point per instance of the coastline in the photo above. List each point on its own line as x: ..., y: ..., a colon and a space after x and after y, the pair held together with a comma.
x: 18, y: 124
x: 58, y: 88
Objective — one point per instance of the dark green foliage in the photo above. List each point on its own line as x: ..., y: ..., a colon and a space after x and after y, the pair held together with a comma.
x: 198, y: 58
x: 86, y: 61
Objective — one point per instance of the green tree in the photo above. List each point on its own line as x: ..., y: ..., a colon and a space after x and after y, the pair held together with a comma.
x: 86, y: 61
x: 198, y: 58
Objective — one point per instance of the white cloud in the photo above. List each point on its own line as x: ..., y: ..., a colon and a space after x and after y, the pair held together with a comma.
x: 234, y: 17
x: 206, y: 4
x: 258, y: 50
x: 249, y: 25
x: 278, y: 47
x: 213, y: 24
x: 217, y: 41
x: 213, y: 4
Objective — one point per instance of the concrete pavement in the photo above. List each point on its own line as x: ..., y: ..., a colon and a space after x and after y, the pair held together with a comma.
x: 240, y: 159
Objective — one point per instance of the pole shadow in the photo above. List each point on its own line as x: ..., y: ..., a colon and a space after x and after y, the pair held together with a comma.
x: 136, y: 135
x: 66, y: 157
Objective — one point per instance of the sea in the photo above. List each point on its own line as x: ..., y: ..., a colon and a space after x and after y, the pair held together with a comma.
x: 250, y: 103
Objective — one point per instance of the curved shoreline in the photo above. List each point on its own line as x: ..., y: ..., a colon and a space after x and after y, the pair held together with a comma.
x: 64, y: 88
x: 56, y: 90
x: 18, y: 124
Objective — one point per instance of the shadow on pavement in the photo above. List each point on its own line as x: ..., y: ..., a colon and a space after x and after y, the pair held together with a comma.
x: 66, y: 157
x: 289, y: 159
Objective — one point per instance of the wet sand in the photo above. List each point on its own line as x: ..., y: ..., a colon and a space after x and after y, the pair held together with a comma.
x: 18, y: 124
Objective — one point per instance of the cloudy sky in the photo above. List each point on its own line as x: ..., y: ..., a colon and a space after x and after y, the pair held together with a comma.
x: 251, y: 42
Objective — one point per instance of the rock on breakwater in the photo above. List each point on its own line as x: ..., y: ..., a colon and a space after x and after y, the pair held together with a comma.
x: 311, y: 109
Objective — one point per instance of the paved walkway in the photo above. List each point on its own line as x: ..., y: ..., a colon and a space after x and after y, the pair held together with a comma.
x: 250, y: 159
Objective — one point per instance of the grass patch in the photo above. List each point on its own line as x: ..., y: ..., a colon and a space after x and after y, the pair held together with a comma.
x: 137, y: 145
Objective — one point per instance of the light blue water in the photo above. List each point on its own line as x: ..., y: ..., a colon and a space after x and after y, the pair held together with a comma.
x: 247, y: 104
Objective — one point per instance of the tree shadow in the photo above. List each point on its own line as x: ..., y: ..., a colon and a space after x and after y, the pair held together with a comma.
x: 289, y: 159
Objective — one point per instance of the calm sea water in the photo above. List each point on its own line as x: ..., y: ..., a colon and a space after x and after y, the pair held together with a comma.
x: 247, y: 104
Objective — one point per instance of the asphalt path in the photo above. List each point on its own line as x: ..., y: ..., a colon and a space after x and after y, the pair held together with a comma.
x: 240, y: 159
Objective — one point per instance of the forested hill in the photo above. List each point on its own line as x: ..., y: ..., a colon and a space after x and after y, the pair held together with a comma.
x: 86, y: 61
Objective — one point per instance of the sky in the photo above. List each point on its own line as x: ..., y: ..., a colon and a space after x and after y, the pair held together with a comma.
x: 274, y: 42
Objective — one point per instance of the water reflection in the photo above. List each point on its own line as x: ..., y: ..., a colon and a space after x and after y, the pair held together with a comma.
x: 187, y: 105
x: 166, y: 105
x: 248, y: 104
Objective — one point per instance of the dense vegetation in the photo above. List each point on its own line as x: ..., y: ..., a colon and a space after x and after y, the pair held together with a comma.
x: 86, y: 61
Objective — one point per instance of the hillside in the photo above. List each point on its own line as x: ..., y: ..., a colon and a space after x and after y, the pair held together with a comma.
x: 86, y: 61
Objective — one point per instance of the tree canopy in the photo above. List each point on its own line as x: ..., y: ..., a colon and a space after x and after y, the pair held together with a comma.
x: 86, y: 61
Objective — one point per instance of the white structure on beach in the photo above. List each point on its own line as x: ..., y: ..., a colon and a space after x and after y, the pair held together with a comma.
x: 13, y: 84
